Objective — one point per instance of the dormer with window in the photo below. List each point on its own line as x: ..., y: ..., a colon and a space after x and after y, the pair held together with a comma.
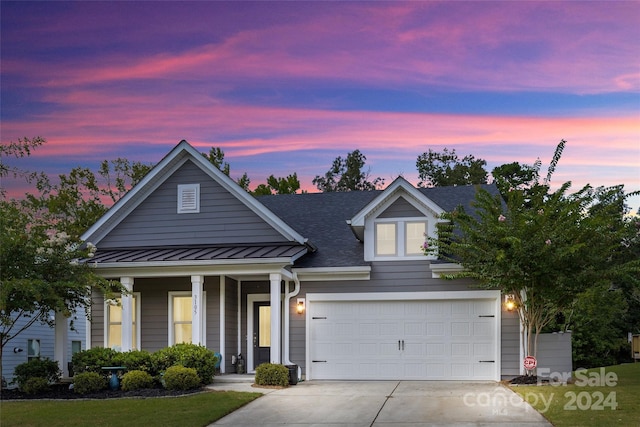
x: 395, y: 224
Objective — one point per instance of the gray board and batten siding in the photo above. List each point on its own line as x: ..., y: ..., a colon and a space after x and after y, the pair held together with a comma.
x: 223, y: 219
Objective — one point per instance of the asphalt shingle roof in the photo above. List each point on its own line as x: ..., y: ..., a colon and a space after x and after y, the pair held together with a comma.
x: 321, y: 217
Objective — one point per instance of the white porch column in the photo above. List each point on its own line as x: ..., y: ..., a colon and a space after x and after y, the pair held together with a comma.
x: 61, y: 341
x: 197, y: 319
x: 275, y: 279
x: 223, y: 291
x: 126, y: 301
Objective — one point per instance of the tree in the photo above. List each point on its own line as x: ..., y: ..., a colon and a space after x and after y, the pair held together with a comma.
x: 40, y: 249
x: 544, y: 248
x: 515, y: 176
x: 347, y: 175
x: 216, y: 158
x: 81, y: 197
x: 288, y: 185
x: 446, y: 169
x: 19, y: 149
x: 40, y: 271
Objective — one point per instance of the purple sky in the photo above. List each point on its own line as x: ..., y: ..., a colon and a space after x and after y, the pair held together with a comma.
x: 286, y: 87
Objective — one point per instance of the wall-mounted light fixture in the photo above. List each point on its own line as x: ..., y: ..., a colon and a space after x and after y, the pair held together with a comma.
x: 17, y: 350
x: 510, y: 302
x: 300, y: 306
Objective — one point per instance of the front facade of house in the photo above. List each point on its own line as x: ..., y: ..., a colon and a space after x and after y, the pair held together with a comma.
x: 335, y: 283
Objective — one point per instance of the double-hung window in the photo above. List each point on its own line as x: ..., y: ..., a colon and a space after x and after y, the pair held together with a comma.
x: 113, y: 323
x: 399, y: 237
x: 180, y: 317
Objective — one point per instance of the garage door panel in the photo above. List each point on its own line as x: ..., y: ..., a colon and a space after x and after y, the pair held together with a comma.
x: 435, y: 329
x: 460, y: 329
x: 422, y: 339
x: 460, y: 350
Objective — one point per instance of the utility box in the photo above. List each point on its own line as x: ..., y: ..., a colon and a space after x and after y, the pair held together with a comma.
x: 635, y: 347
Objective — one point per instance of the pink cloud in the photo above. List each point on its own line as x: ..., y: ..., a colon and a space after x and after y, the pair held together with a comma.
x: 502, y: 47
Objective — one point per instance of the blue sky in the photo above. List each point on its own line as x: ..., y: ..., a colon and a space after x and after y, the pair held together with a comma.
x: 286, y: 87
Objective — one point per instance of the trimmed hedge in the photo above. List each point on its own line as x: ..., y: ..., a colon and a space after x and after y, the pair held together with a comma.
x: 188, y: 355
x: 155, y: 364
x: 272, y: 374
x: 93, y: 360
x: 134, y: 360
x: 37, y: 368
x: 136, y: 380
x: 88, y: 382
x: 35, y: 385
x: 181, y: 378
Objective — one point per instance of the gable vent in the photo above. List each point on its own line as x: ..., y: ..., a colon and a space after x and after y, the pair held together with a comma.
x: 189, y: 198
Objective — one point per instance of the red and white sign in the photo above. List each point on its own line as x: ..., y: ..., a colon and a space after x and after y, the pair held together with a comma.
x: 530, y: 363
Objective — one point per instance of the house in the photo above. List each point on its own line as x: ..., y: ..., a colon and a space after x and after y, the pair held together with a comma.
x: 43, y: 341
x: 335, y: 283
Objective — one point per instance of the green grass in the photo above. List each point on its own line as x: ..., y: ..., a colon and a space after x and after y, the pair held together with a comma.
x: 589, y: 404
x: 188, y: 411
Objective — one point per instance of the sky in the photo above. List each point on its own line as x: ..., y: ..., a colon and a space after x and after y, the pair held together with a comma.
x: 286, y: 87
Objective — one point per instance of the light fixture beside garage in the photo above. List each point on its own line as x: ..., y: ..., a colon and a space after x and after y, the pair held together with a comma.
x: 300, y: 306
x: 510, y: 302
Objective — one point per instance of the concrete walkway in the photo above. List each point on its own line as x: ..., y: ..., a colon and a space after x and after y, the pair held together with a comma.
x: 382, y: 403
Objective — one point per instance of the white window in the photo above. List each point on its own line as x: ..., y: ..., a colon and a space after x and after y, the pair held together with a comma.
x: 180, y: 317
x: 386, y: 239
x: 188, y: 198
x: 399, y: 237
x: 414, y: 237
x: 113, y: 323
x: 33, y: 349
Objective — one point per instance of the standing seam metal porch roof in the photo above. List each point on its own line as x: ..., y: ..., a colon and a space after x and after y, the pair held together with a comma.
x: 199, y: 253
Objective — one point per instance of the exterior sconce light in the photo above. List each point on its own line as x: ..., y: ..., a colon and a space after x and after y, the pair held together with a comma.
x: 300, y: 306
x: 510, y: 302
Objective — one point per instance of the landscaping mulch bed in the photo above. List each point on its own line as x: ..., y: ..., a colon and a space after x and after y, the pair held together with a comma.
x: 527, y: 380
x: 61, y: 391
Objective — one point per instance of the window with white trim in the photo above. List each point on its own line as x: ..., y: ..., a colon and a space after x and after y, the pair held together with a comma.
x: 33, y: 349
x: 188, y: 198
x: 113, y: 323
x: 399, y: 237
x: 180, y: 317
x: 414, y: 237
x: 386, y: 238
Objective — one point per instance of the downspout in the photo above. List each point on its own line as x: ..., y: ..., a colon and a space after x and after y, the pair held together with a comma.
x: 287, y: 301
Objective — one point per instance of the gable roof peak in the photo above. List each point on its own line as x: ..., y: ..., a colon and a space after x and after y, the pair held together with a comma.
x: 179, y: 155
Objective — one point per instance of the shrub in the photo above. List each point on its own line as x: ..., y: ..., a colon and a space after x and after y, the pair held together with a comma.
x: 35, y: 385
x: 136, y: 380
x: 272, y: 374
x: 134, y: 360
x: 181, y: 378
x: 93, y: 359
x: 88, y: 382
x: 37, y: 368
x: 188, y: 355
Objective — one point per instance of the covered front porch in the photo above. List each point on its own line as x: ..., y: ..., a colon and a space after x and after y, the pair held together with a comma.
x: 231, y: 306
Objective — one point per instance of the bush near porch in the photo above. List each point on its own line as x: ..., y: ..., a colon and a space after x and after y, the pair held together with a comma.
x: 272, y: 374
x: 155, y: 364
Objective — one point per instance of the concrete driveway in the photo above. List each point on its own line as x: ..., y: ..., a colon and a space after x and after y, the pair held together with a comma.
x: 383, y: 403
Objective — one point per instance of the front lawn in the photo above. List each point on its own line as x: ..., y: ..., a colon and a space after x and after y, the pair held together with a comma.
x: 189, y: 411
x: 601, y: 397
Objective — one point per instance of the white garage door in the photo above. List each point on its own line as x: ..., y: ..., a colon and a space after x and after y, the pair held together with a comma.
x: 416, y: 340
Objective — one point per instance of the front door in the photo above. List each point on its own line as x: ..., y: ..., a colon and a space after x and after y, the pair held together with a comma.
x: 261, y: 333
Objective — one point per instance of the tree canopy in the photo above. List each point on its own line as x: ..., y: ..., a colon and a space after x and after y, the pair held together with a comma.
x: 346, y: 174
x: 543, y: 247
x: 446, y: 169
x: 40, y: 249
